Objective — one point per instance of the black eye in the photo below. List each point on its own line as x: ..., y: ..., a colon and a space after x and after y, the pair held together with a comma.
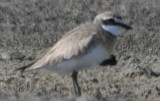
x: 108, y: 21
x: 119, y: 17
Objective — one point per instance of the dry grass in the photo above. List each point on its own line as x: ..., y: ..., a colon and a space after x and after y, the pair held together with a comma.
x: 29, y: 27
x: 38, y: 24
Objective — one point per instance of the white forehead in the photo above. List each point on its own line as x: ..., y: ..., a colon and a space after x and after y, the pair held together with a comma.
x: 116, y: 20
x: 106, y: 18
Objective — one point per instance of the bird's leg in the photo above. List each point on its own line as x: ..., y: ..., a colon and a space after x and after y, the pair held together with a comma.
x: 77, y: 89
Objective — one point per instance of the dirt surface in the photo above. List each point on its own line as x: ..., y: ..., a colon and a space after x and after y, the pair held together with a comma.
x: 28, y: 28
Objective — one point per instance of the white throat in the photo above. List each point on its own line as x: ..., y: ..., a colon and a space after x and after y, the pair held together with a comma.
x: 114, y: 30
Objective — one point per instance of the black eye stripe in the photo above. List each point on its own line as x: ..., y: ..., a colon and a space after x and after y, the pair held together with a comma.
x: 108, y: 21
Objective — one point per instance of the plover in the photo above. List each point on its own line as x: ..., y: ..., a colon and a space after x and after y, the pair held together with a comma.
x: 83, y: 47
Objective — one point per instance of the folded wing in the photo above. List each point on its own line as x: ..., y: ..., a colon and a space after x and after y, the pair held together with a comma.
x: 71, y: 44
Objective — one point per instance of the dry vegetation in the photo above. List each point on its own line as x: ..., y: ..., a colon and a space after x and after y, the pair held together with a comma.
x: 28, y: 28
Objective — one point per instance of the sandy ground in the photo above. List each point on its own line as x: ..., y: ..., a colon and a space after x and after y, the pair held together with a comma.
x: 29, y: 28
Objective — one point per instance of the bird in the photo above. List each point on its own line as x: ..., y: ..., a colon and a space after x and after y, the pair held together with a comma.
x: 86, y: 46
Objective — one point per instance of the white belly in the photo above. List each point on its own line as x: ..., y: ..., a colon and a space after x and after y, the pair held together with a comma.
x: 91, y: 59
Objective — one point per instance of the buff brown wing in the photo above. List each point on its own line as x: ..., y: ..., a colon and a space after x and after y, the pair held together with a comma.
x: 70, y: 45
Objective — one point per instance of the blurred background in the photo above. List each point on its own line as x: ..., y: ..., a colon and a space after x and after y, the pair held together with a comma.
x: 28, y: 28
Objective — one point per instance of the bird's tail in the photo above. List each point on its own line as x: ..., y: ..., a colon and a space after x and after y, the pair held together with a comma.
x: 34, y: 65
x: 25, y: 68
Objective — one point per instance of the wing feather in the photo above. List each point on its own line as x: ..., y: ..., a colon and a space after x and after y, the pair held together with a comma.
x: 70, y: 45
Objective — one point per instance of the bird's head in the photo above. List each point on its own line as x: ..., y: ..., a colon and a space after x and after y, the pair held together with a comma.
x: 111, y: 22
